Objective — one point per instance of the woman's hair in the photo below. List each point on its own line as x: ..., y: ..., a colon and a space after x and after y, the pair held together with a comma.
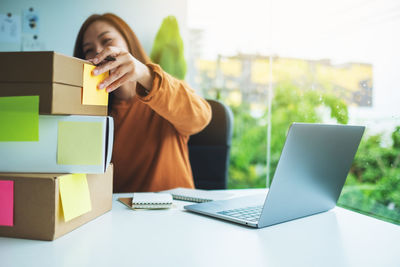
x: 134, y: 46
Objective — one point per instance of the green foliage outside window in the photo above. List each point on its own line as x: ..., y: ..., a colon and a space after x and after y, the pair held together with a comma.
x: 373, y: 184
x: 249, y: 146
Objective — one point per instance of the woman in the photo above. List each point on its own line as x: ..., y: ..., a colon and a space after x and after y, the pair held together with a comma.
x: 154, y: 113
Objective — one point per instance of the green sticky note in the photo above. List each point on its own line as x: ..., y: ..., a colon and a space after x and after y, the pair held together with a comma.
x: 75, y: 195
x: 80, y: 143
x: 19, y: 118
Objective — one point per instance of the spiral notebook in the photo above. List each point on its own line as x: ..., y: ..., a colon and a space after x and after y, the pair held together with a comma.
x: 197, y: 195
x: 148, y: 201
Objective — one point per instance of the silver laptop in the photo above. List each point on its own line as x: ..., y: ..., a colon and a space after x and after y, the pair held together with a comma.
x: 310, y: 175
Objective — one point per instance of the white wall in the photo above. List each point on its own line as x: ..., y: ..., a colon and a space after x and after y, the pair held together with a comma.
x: 60, y: 20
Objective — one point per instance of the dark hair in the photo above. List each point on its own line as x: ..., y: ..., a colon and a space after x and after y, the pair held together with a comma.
x: 134, y: 46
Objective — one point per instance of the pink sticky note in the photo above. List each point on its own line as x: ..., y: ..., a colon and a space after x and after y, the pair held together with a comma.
x: 7, y: 203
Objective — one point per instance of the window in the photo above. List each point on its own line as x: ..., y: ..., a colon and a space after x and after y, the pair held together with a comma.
x: 308, y: 61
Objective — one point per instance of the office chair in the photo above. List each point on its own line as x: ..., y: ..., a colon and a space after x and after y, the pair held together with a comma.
x: 209, y: 149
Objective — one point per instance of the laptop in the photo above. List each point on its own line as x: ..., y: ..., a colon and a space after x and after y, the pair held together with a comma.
x: 308, y: 179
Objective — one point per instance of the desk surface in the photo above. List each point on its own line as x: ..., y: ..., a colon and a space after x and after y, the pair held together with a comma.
x: 174, y: 237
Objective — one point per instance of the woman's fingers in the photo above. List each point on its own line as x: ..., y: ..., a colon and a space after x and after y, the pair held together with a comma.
x: 107, y: 66
x: 122, y: 69
x: 108, y: 51
x: 122, y: 58
x: 116, y: 84
x: 114, y: 75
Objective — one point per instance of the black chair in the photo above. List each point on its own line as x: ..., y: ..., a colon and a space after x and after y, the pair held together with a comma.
x: 209, y: 149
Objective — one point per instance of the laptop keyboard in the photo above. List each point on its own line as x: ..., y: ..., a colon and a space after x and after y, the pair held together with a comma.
x: 248, y: 213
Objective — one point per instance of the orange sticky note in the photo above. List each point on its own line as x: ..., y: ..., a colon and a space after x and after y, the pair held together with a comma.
x: 91, y: 95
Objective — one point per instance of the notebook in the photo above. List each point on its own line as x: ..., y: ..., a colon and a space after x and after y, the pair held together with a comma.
x: 197, y: 195
x: 148, y: 201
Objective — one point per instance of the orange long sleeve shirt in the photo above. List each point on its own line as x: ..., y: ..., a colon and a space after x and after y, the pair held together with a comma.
x: 151, y: 133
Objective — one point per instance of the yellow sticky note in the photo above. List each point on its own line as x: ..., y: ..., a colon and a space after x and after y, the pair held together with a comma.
x: 80, y: 143
x: 91, y: 95
x: 75, y: 195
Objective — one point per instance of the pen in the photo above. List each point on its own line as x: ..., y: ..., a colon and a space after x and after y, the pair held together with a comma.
x: 108, y: 58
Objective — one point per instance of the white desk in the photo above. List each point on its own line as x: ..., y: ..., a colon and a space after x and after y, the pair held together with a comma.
x: 174, y: 237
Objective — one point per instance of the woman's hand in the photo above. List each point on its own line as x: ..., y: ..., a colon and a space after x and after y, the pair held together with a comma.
x: 125, y: 68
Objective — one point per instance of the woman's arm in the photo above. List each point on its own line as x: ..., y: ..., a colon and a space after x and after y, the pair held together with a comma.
x: 171, y: 98
x: 175, y: 101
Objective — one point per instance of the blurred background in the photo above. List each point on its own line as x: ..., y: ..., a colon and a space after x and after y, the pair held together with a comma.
x: 273, y: 62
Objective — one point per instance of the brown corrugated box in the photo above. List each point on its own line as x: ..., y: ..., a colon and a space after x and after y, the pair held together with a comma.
x: 56, y: 78
x: 37, y: 204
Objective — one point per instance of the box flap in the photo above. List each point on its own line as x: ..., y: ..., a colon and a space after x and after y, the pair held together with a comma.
x: 55, y: 98
x: 67, y: 100
x: 43, y: 90
x: 26, y: 66
x: 68, y: 70
x: 30, y: 175
x: 42, y: 66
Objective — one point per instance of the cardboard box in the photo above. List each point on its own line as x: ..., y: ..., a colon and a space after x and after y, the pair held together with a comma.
x: 67, y: 144
x: 56, y: 78
x: 37, y: 204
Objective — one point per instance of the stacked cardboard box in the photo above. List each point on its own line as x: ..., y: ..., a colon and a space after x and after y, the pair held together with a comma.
x: 55, y: 145
x: 57, y: 79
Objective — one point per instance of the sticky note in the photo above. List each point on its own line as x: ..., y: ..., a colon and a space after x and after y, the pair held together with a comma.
x: 75, y: 195
x: 91, y: 95
x: 7, y: 203
x: 80, y: 143
x: 19, y: 118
